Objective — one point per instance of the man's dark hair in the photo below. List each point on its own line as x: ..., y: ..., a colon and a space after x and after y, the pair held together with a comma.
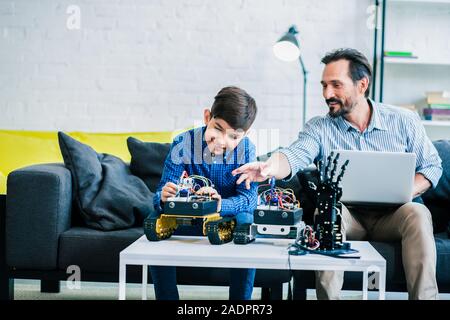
x: 359, y: 66
x: 235, y: 106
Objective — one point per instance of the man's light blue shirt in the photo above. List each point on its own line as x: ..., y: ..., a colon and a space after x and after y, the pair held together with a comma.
x: 391, y: 129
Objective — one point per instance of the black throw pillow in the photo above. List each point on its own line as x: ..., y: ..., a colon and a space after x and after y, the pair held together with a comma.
x: 448, y: 229
x: 107, y: 194
x: 442, y: 191
x: 438, y: 199
x: 147, y: 160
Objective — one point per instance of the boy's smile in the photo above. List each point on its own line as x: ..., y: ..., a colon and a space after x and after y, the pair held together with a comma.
x: 220, y: 136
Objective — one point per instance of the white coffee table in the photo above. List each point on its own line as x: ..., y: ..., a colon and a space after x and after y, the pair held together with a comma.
x: 264, y: 253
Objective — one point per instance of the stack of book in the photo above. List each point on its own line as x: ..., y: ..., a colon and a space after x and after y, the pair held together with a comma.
x: 438, y: 106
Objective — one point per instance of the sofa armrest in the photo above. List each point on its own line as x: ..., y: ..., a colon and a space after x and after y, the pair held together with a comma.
x: 38, y: 210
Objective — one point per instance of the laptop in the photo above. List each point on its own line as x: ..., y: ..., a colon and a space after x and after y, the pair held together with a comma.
x: 375, y: 178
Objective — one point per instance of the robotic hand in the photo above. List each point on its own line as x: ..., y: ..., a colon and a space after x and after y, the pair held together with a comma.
x: 327, y: 221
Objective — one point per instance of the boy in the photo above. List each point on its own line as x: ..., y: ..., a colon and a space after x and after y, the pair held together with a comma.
x: 214, y: 151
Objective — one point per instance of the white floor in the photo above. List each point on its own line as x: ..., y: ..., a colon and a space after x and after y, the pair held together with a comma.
x: 30, y: 290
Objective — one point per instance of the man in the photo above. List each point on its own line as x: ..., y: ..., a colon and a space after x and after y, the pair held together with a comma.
x: 355, y: 122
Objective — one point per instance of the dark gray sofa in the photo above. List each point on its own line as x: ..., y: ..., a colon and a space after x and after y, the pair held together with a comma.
x: 44, y: 235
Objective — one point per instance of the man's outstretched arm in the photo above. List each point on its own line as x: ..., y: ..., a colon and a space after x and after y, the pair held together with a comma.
x: 288, y: 161
x: 276, y: 166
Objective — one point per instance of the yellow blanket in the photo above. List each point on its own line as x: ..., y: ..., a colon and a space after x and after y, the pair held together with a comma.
x: 23, y: 148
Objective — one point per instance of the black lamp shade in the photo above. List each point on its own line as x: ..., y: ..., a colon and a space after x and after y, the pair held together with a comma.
x: 290, y: 36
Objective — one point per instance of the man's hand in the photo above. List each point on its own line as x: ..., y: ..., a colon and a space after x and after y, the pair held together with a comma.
x: 169, y: 190
x: 252, y: 172
x: 421, y: 184
x: 213, y: 194
x: 276, y: 166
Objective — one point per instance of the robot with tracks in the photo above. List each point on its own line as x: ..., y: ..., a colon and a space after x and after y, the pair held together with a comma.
x: 278, y: 215
x: 188, y: 208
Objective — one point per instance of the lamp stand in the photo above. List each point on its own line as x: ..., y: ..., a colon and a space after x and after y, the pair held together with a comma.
x: 305, y: 77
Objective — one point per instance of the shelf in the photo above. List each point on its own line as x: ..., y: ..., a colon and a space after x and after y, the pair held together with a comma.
x: 436, y: 123
x: 418, y: 61
x: 421, y: 1
x: 430, y: 71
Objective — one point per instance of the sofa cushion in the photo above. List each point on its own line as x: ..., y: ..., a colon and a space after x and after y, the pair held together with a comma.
x: 147, y: 160
x: 442, y: 191
x: 443, y: 260
x: 448, y: 229
x: 94, y: 250
x: 108, y: 195
x: 438, y: 199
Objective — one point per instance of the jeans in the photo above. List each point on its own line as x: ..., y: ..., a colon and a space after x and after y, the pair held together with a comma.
x: 165, y: 283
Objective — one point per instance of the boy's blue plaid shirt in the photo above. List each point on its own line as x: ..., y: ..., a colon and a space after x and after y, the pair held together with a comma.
x: 189, y: 152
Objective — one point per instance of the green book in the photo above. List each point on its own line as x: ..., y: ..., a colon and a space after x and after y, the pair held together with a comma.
x: 398, y: 54
x: 439, y: 106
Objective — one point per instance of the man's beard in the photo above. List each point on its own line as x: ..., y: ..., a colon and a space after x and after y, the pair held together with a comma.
x: 343, y: 110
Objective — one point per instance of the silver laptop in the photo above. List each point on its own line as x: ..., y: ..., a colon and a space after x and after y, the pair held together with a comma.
x: 377, y: 178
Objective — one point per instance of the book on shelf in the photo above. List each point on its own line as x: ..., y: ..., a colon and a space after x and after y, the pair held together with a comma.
x: 437, y: 118
x: 438, y: 97
x: 439, y: 106
x: 400, y: 54
x: 436, y: 114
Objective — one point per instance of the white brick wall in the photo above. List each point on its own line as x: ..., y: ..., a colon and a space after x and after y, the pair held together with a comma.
x: 151, y: 65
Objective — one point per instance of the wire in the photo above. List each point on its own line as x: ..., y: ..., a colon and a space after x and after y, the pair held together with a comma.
x: 188, y: 185
x: 278, y: 197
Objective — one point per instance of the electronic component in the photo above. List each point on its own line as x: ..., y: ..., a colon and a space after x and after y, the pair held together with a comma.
x: 188, y: 208
x: 187, y: 201
x: 194, y: 205
x: 278, y: 215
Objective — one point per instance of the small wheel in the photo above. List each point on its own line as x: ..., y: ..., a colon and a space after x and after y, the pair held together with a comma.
x: 220, y: 231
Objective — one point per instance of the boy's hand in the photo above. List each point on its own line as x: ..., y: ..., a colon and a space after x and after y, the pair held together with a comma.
x: 252, y: 172
x: 217, y: 197
x: 213, y: 194
x: 169, y: 190
x: 206, y: 191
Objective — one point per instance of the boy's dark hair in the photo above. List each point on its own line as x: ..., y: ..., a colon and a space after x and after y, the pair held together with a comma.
x: 359, y: 66
x: 235, y: 106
